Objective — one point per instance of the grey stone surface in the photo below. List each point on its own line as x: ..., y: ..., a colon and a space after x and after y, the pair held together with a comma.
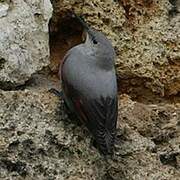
x: 3, y: 9
x: 23, y: 40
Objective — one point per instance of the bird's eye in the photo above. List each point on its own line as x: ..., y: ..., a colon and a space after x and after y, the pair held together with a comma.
x: 94, y: 41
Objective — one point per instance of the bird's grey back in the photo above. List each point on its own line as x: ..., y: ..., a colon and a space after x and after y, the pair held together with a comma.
x: 81, y: 73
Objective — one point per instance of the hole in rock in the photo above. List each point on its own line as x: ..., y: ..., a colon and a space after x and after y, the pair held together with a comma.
x: 64, y: 33
x: 2, y: 62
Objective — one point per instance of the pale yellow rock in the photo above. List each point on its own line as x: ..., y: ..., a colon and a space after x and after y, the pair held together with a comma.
x: 144, y: 33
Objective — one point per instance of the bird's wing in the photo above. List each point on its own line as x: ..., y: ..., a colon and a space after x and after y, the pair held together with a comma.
x: 99, y: 115
x: 102, y: 118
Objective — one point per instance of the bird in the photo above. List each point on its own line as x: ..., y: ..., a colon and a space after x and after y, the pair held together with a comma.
x: 89, y: 86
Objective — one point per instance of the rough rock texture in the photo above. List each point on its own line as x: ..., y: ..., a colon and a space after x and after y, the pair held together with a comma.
x: 23, y: 40
x: 145, y: 34
x: 37, y: 141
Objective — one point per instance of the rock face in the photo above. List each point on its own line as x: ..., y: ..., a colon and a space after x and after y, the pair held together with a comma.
x: 145, y: 35
x: 39, y: 141
x: 23, y: 40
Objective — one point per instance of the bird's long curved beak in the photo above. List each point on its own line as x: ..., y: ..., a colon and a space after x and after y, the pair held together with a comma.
x: 83, y: 23
x: 89, y: 31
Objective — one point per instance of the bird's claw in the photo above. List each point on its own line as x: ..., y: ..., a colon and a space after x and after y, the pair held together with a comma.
x: 56, y: 92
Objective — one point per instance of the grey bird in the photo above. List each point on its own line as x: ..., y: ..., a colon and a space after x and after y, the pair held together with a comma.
x: 89, y: 86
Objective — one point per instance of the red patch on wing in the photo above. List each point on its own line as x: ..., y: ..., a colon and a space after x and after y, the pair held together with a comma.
x: 79, y: 108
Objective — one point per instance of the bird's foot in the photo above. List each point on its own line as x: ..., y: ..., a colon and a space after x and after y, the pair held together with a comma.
x: 93, y: 144
x: 56, y: 92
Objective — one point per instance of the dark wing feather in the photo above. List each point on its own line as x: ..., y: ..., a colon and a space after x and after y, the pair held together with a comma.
x: 102, y: 121
x: 99, y: 115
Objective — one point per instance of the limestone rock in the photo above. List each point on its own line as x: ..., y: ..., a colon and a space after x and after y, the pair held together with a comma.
x: 23, y: 40
x: 3, y: 9
x: 145, y: 35
x: 38, y: 142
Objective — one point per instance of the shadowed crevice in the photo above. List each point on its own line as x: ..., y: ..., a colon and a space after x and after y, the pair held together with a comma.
x: 64, y: 33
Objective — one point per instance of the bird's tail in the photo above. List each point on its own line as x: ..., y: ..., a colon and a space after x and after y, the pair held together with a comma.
x: 105, y: 141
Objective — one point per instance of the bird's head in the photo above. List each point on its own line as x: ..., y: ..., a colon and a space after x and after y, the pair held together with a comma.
x: 98, y: 44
